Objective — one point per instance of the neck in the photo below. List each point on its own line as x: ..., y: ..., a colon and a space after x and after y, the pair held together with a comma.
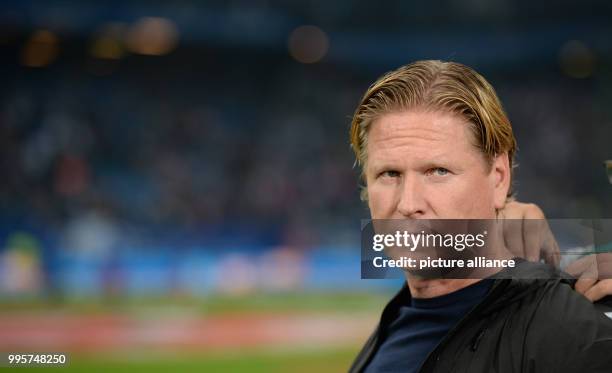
x: 431, y: 287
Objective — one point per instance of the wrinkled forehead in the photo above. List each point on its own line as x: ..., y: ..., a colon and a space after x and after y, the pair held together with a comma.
x: 420, y: 130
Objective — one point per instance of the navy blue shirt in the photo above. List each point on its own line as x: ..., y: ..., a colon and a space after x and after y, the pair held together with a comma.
x: 421, y: 325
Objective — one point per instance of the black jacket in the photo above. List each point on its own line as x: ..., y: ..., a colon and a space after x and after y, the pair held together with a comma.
x: 533, y: 322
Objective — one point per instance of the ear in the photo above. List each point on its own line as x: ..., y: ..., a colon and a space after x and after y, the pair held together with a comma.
x: 501, y: 179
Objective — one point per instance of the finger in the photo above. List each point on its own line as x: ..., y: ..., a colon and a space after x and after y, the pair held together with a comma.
x: 512, y: 216
x: 532, y: 211
x: 579, y: 266
x: 534, y: 226
x: 604, y: 265
x: 584, y: 284
x: 553, y: 254
x: 532, y: 239
x: 550, y: 248
x: 513, y: 210
x: 600, y: 290
x: 513, y: 236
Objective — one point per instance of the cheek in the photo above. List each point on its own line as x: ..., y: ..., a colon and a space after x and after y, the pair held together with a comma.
x: 449, y: 202
x: 380, y: 202
x: 479, y: 202
x: 466, y: 198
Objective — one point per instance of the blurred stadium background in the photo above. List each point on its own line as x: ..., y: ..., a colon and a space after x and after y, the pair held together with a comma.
x: 177, y: 187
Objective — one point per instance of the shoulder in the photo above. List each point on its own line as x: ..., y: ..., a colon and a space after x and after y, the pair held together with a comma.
x: 567, y: 330
x: 560, y: 304
x: 561, y: 330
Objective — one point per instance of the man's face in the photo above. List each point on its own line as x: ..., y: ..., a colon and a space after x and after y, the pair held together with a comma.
x: 423, y: 164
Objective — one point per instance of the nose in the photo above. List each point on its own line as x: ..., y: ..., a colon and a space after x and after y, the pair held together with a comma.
x: 411, y: 202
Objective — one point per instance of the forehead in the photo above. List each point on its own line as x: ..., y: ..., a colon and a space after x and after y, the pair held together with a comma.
x: 420, y: 134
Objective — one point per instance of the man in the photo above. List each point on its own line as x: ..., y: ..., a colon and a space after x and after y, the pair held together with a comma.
x: 434, y: 143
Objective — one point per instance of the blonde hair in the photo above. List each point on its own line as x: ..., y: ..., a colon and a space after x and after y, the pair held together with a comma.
x: 436, y: 85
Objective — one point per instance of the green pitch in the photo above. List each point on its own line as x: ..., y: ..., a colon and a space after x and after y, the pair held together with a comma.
x: 292, y: 358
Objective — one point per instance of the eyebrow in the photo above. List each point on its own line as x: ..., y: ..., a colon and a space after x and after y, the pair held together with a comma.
x: 424, y: 164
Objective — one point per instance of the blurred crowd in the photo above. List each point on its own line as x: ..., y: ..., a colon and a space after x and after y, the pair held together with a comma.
x: 183, y: 151
x: 206, y: 150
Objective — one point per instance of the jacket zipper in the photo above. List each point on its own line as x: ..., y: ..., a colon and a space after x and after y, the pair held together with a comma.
x: 477, y: 339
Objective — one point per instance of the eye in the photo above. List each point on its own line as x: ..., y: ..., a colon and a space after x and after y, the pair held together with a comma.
x: 389, y: 173
x: 439, y: 171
